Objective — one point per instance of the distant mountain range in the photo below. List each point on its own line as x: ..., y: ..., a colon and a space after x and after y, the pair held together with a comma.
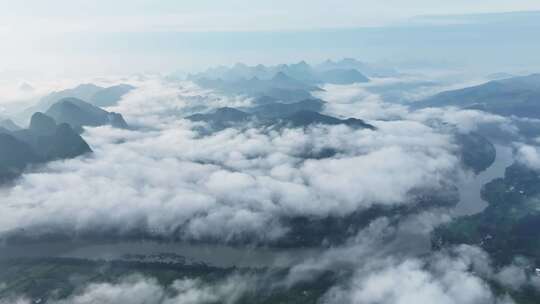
x: 43, y: 141
x: 301, y: 71
x: 284, y: 82
x: 93, y: 94
x: 281, y: 87
x: 518, y: 96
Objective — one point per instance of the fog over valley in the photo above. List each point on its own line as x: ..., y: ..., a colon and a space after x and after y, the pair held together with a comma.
x: 170, y: 160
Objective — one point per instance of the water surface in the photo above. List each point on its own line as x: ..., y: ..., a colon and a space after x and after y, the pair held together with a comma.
x: 470, y: 186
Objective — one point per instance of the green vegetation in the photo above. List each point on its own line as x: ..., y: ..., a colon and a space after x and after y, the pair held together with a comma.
x: 509, y: 226
x: 58, y: 278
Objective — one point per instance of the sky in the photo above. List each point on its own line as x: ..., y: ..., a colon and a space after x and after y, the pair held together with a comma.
x: 67, y: 37
x: 137, y: 15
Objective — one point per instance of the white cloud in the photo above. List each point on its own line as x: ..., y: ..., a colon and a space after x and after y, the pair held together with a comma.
x: 357, y: 101
x: 16, y: 300
x: 464, y: 120
x: 167, y: 179
x: 136, y: 290
x: 143, y: 290
x: 410, y: 282
x: 381, y: 273
x: 165, y: 176
x: 528, y: 155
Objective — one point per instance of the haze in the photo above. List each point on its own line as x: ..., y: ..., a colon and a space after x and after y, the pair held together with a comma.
x: 103, y: 37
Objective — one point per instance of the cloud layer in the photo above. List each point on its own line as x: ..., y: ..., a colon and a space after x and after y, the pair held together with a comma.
x: 165, y: 177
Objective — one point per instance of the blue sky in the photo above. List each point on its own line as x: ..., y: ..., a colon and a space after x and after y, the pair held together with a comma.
x: 119, y: 36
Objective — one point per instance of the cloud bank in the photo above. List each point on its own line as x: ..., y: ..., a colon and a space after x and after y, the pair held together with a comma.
x: 164, y: 178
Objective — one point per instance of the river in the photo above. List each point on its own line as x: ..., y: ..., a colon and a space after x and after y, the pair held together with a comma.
x: 228, y: 256
x: 470, y: 185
